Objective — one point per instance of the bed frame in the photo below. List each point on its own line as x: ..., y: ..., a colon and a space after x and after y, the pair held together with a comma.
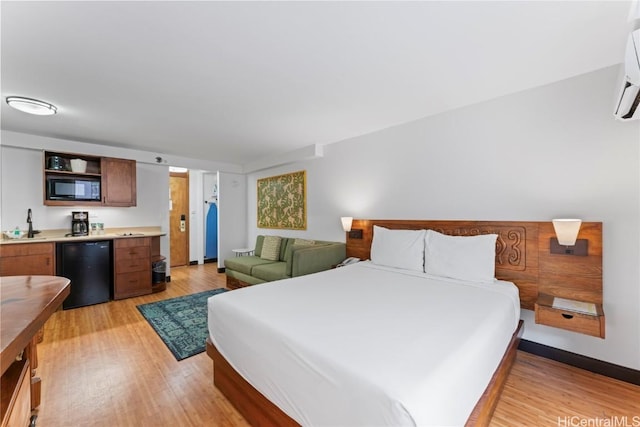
x: 522, y: 257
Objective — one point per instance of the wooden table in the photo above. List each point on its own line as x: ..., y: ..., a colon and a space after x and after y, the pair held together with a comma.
x: 26, y: 302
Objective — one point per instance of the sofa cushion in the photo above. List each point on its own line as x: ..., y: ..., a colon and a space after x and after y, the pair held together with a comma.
x: 286, y: 242
x: 271, y: 248
x: 270, y: 272
x: 244, y: 264
x: 259, y: 241
x: 284, y: 245
x: 294, y: 245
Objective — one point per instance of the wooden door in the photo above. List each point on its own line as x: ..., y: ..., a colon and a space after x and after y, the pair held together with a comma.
x: 179, y: 218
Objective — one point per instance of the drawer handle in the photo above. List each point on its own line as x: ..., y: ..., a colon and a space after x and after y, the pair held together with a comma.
x: 567, y: 316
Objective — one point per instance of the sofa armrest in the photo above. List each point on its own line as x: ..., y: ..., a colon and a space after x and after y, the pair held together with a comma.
x: 312, y: 259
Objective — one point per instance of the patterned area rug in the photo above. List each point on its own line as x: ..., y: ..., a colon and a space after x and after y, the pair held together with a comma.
x: 181, y: 322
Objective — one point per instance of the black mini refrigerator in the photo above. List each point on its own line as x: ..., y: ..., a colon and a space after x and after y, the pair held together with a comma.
x: 89, y: 266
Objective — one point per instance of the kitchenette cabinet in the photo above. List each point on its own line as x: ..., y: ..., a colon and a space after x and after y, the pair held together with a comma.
x: 115, y: 180
x: 26, y: 259
x: 132, y: 263
x: 130, y: 259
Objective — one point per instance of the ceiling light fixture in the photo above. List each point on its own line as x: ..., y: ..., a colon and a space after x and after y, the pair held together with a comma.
x: 31, y: 106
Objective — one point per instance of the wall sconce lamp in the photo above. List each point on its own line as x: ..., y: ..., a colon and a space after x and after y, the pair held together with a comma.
x: 566, y: 241
x: 347, y: 221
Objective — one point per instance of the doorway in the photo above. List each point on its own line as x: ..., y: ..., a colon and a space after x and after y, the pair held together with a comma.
x: 210, y: 190
x: 179, y: 218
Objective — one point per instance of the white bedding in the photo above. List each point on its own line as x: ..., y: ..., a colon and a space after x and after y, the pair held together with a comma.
x: 366, y: 345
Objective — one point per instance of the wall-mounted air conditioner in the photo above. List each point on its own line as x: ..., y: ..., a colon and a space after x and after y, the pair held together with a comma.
x: 627, y: 104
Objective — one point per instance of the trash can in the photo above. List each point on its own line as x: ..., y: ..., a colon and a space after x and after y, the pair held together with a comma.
x: 159, y: 272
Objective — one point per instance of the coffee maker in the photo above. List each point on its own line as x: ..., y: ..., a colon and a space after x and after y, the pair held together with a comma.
x: 79, y: 223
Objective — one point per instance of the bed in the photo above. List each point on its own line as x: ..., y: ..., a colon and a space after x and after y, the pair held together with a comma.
x: 374, y: 344
x: 367, y: 344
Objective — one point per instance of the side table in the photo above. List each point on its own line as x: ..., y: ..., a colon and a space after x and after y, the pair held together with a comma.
x: 242, y: 251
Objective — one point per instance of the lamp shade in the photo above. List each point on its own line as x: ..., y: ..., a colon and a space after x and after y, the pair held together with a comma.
x: 567, y: 230
x: 346, y: 223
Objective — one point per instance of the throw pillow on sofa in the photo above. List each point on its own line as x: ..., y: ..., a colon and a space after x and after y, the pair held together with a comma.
x: 271, y: 248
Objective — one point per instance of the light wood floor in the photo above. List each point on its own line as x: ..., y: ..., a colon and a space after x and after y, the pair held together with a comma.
x: 105, y: 366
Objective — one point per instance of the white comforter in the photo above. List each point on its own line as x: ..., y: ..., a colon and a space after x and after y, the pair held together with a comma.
x: 366, y: 345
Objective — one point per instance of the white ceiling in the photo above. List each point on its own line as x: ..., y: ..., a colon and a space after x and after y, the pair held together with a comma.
x: 237, y: 81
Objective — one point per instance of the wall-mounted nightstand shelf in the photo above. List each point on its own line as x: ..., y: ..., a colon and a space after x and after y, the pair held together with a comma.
x: 583, y: 323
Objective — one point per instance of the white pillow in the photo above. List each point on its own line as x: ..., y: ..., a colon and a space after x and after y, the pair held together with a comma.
x: 471, y: 258
x: 398, y: 248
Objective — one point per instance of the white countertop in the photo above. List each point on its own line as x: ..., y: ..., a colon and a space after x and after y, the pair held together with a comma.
x: 109, y: 234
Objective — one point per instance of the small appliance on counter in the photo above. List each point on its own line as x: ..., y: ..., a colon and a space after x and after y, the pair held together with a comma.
x: 56, y: 163
x: 79, y: 223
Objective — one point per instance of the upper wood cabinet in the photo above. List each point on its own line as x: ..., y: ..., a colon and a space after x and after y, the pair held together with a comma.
x: 117, y: 179
x: 118, y: 182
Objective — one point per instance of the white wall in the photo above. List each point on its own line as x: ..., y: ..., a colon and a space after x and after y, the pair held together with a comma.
x: 196, y: 221
x: 232, y: 214
x: 553, y: 151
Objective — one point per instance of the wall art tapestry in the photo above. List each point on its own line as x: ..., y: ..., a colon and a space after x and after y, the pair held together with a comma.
x: 282, y: 201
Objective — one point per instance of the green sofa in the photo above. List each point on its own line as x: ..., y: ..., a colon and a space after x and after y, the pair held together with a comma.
x: 297, y: 257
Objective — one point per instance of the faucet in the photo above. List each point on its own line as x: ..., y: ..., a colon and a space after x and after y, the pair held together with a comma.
x: 29, y: 221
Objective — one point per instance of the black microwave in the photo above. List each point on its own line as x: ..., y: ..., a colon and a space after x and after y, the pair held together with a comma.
x: 75, y: 189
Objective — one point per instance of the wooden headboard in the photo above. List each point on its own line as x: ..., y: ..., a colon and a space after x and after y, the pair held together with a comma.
x: 522, y: 255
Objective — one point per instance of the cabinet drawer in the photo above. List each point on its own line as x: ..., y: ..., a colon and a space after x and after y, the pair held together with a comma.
x: 136, y: 252
x: 27, y: 265
x: 127, y: 263
x: 131, y: 242
x: 132, y: 284
x: 23, y: 249
x: 27, y: 259
x: 572, y: 321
